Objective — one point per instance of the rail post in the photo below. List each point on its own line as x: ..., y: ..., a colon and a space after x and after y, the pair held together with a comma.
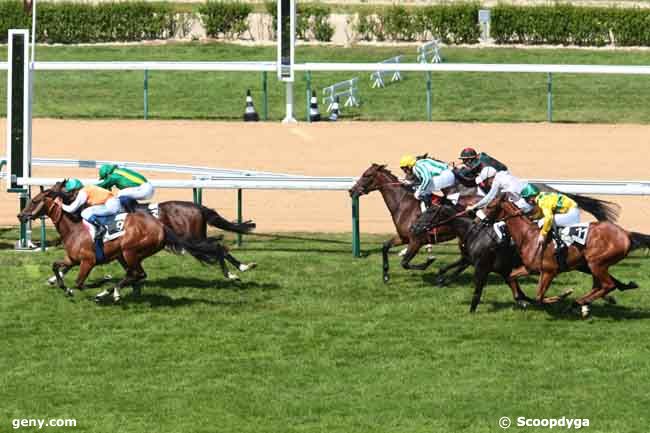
x: 549, y: 97
x: 429, y: 97
x: 308, y: 78
x: 146, y: 94
x: 265, y: 97
x: 197, y: 195
x: 356, y: 241
x: 239, y: 215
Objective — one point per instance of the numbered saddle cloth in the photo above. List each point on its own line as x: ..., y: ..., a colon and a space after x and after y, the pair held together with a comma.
x: 577, y: 234
x: 115, y: 223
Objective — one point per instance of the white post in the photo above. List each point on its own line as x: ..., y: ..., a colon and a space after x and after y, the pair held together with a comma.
x: 288, y: 118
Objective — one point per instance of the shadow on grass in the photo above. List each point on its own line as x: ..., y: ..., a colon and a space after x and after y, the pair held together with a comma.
x: 178, y: 282
x: 157, y: 300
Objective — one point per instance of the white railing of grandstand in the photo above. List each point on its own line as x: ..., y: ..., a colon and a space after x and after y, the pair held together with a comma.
x: 630, y: 187
x: 334, y: 67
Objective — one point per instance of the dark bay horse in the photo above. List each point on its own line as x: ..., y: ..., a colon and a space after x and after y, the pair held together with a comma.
x: 405, y: 209
x: 606, y: 244
x: 143, y: 236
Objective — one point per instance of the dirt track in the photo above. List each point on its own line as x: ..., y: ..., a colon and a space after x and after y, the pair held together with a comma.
x: 557, y: 151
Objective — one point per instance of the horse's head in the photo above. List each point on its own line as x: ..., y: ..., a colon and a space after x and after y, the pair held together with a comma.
x: 371, y: 180
x: 42, y: 203
x: 502, y: 207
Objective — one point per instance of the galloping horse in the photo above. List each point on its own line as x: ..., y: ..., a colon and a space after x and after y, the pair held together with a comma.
x: 606, y: 244
x: 143, y: 236
x: 405, y: 210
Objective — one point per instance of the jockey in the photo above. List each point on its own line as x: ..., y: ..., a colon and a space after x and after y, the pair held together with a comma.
x: 475, y: 162
x: 553, y: 208
x: 130, y: 183
x: 432, y: 175
x: 101, y: 203
x: 496, y: 182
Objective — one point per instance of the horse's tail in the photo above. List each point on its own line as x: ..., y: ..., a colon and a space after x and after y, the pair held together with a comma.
x: 216, y: 220
x: 205, y: 251
x: 602, y: 210
x: 639, y: 240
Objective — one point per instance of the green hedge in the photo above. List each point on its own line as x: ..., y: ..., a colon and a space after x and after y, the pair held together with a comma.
x: 229, y: 19
x: 312, y: 21
x: 565, y: 24
x: 69, y: 23
x: 450, y: 23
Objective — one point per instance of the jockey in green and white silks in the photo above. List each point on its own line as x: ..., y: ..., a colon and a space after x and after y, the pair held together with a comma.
x: 432, y: 175
x: 130, y: 183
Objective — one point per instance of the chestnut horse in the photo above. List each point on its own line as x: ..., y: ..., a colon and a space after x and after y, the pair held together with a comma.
x: 143, y: 236
x: 606, y: 244
x: 405, y: 209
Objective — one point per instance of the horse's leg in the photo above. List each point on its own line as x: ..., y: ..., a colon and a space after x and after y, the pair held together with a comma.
x: 84, y: 270
x: 243, y: 267
x: 460, y: 265
x: 518, y: 295
x: 521, y: 271
x: 59, y: 273
x: 414, y: 247
x: 395, y: 240
x: 545, y: 279
x: 603, y: 284
x: 480, y: 278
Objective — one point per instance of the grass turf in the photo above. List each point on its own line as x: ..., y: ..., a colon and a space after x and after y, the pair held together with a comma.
x: 313, y: 341
x: 456, y: 96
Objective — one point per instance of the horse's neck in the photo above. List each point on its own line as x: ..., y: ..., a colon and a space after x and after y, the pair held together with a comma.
x: 521, y: 231
x: 65, y: 226
x: 395, y: 197
x: 461, y: 226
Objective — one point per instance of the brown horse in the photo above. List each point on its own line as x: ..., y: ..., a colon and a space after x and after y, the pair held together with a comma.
x: 405, y: 210
x: 190, y: 221
x: 606, y: 244
x: 143, y: 236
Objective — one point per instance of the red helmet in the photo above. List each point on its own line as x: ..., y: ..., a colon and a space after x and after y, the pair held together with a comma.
x: 468, y: 153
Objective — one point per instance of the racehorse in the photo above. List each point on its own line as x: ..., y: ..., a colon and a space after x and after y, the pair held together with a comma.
x: 143, y: 236
x: 482, y: 248
x: 606, y: 244
x: 189, y: 220
x: 405, y: 210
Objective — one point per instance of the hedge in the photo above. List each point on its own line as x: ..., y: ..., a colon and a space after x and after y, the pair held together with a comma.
x: 565, y: 24
x: 312, y: 21
x: 68, y: 23
x: 229, y: 19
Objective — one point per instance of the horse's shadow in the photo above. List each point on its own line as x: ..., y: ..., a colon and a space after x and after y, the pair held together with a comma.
x: 564, y: 311
x: 157, y: 300
x: 177, y: 282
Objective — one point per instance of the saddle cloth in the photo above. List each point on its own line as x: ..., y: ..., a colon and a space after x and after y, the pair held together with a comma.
x: 575, y: 234
x: 115, y: 223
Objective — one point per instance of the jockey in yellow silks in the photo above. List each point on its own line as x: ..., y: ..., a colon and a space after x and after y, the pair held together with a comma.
x: 553, y: 207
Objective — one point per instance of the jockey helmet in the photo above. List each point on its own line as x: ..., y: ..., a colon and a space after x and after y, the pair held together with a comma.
x: 486, y: 173
x: 529, y: 191
x: 468, y: 153
x: 407, y: 161
x: 106, y: 170
x: 73, y: 184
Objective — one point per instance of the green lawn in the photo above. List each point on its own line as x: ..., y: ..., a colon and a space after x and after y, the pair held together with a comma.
x: 456, y: 96
x: 313, y: 341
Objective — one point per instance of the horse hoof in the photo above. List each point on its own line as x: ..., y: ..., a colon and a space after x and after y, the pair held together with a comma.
x: 116, y: 299
x: 585, y: 311
x: 566, y: 293
x: 386, y: 278
x: 51, y: 281
x: 247, y: 267
x: 233, y: 277
x: 69, y: 292
x: 522, y: 305
x: 402, y: 253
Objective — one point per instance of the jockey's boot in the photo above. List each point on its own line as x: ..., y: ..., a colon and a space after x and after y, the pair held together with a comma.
x: 561, y: 251
x: 100, y: 229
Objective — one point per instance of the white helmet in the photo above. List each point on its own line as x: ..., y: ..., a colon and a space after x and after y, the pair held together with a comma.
x: 486, y: 173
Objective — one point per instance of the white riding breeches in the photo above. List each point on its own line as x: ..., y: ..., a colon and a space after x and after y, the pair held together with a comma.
x: 142, y: 192
x: 111, y: 207
x: 567, y: 219
x: 444, y: 180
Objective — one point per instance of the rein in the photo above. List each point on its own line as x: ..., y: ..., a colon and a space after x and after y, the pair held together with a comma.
x: 49, y: 210
x: 451, y: 218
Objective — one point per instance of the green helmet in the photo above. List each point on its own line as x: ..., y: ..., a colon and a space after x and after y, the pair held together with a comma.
x: 73, y: 184
x: 529, y: 191
x: 105, y: 170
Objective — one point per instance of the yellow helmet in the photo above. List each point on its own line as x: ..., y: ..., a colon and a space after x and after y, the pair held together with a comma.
x: 407, y: 161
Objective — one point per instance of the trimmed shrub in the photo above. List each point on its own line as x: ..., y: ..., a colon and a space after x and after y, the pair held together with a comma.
x: 312, y: 21
x: 229, y: 19
x: 12, y: 16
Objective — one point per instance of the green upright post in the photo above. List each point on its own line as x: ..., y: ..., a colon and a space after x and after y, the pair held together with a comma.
x: 146, y: 94
x: 308, y: 77
x: 197, y: 194
x: 549, y: 97
x: 265, y: 98
x: 239, y: 215
x: 43, y: 234
x: 429, y: 96
x: 356, y: 241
